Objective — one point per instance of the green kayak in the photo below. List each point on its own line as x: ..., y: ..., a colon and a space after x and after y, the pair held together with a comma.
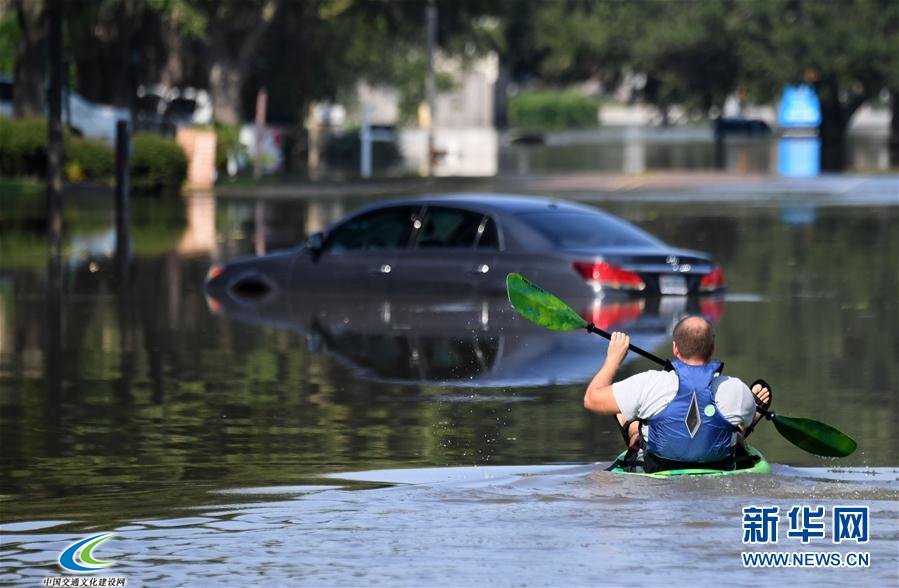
x: 753, y: 463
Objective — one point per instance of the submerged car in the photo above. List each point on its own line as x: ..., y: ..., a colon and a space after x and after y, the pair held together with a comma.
x: 466, y: 245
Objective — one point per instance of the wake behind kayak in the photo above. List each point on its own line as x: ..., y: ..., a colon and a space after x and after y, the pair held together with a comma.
x: 755, y: 464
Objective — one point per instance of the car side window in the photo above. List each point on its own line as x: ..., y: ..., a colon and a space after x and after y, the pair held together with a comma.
x: 449, y: 227
x: 387, y: 228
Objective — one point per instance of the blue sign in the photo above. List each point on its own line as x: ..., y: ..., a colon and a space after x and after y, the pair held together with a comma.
x: 799, y: 157
x: 799, y: 107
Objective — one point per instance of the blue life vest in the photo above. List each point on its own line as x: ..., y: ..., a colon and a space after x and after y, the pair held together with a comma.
x: 690, y: 428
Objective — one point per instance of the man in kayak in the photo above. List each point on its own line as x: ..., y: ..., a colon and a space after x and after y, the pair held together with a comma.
x: 688, y: 417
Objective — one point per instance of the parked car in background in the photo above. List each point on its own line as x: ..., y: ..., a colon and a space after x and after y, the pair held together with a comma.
x: 751, y: 127
x: 466, y: 245
x: 86, y: 118
x: 162, y: 109
x: 5, y: 96
x: 92, y: 120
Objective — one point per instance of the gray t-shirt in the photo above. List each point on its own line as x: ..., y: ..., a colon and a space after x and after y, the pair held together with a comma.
x: 646, y: 394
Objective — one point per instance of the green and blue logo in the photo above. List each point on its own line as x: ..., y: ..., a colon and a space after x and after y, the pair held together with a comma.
x: 82, y: 550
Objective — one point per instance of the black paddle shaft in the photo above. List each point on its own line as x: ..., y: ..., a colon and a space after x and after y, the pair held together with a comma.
x: 662, y: 362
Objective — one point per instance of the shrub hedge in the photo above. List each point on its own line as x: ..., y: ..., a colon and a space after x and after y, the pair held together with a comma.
x: 23, y: 147
x: 157, y: 164
x: 88, y: 159
x: 550, y: 110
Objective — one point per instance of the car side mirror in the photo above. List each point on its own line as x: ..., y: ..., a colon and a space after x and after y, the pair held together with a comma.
x: 315, y: 243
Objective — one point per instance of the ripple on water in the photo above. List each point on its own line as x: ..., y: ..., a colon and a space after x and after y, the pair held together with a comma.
x: 30, y: 526
x: 497, y: 525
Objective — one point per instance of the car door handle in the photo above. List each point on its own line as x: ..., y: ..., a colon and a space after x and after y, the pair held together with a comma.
x: 384, y: 268
x: 481, y: 268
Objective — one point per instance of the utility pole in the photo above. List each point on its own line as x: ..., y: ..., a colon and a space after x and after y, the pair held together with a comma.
x: 54, y: 131
x: 122, y: 197
x: 53, y: 314
x: 431, y: 85
x: 365, y: 138
x: 261, y: 108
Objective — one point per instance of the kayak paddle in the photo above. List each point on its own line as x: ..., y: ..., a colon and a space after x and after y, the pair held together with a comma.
x: 544, y: 309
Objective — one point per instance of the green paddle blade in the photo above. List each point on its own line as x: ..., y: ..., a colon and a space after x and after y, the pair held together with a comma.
x: 815, y: 437
x: 540, y: 307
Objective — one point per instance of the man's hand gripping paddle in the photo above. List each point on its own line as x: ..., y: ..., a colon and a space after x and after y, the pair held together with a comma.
x: 544, y: 309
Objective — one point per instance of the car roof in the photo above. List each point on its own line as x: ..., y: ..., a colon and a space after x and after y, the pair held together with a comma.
x: 490, y: 202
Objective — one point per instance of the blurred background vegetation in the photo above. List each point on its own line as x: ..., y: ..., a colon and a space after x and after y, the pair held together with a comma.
x: 692, y: 55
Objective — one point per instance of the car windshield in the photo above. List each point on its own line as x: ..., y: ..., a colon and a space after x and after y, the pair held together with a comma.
x: 570, y: 230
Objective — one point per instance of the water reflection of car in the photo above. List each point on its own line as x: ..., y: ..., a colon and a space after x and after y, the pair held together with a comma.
x: 467, y: 244
x: 468, y: 342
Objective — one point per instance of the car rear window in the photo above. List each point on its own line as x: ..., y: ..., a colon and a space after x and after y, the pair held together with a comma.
x: 449, y: 227
x: 574, y: 231
x: 489, y: 238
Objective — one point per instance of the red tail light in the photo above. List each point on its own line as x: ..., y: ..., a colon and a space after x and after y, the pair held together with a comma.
x: 712, y: 308
x: 606, y: 316
x: 215, y: 270
x: 213, y: 304
x: 609, y: 275
x: 712, y: 280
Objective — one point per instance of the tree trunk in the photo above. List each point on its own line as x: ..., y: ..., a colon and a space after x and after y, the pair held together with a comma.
x: 835, y: 117
x: 172, y: 73
x: 833, y: 138
x: 894, y: 127
x: 224, y: 89
x: 228, y: 68
x: 501, y: 95
x: 29, y: 98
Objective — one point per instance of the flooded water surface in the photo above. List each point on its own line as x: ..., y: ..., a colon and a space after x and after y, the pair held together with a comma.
x: 397, y: 440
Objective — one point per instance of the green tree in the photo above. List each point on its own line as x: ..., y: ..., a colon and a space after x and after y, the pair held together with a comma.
x: 9, y: 37
x: 235, y: 31
x: 685, y: 50
x: 846, y: 50
x: 30, y: 38
x: 113, y: 45
x: 582, y: 40
x: 688, y: 53
x: 695, y: 53
x: 341, y: 42
x: 890, y: 69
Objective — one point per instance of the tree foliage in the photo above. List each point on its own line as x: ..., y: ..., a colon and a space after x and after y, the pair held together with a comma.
x: 696, y: 53
x: 847, y: 50
x: 688, y: 53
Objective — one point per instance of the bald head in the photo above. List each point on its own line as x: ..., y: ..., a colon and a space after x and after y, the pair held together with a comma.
x: 694, y: 339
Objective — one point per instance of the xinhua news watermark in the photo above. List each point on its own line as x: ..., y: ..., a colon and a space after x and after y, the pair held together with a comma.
x: 807, y: 526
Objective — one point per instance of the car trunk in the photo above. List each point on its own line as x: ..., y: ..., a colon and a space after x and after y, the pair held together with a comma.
x: 662, y: 271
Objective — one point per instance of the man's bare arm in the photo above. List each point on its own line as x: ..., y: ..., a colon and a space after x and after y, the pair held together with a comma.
x: 599, y: 397
x: 763, y: 395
